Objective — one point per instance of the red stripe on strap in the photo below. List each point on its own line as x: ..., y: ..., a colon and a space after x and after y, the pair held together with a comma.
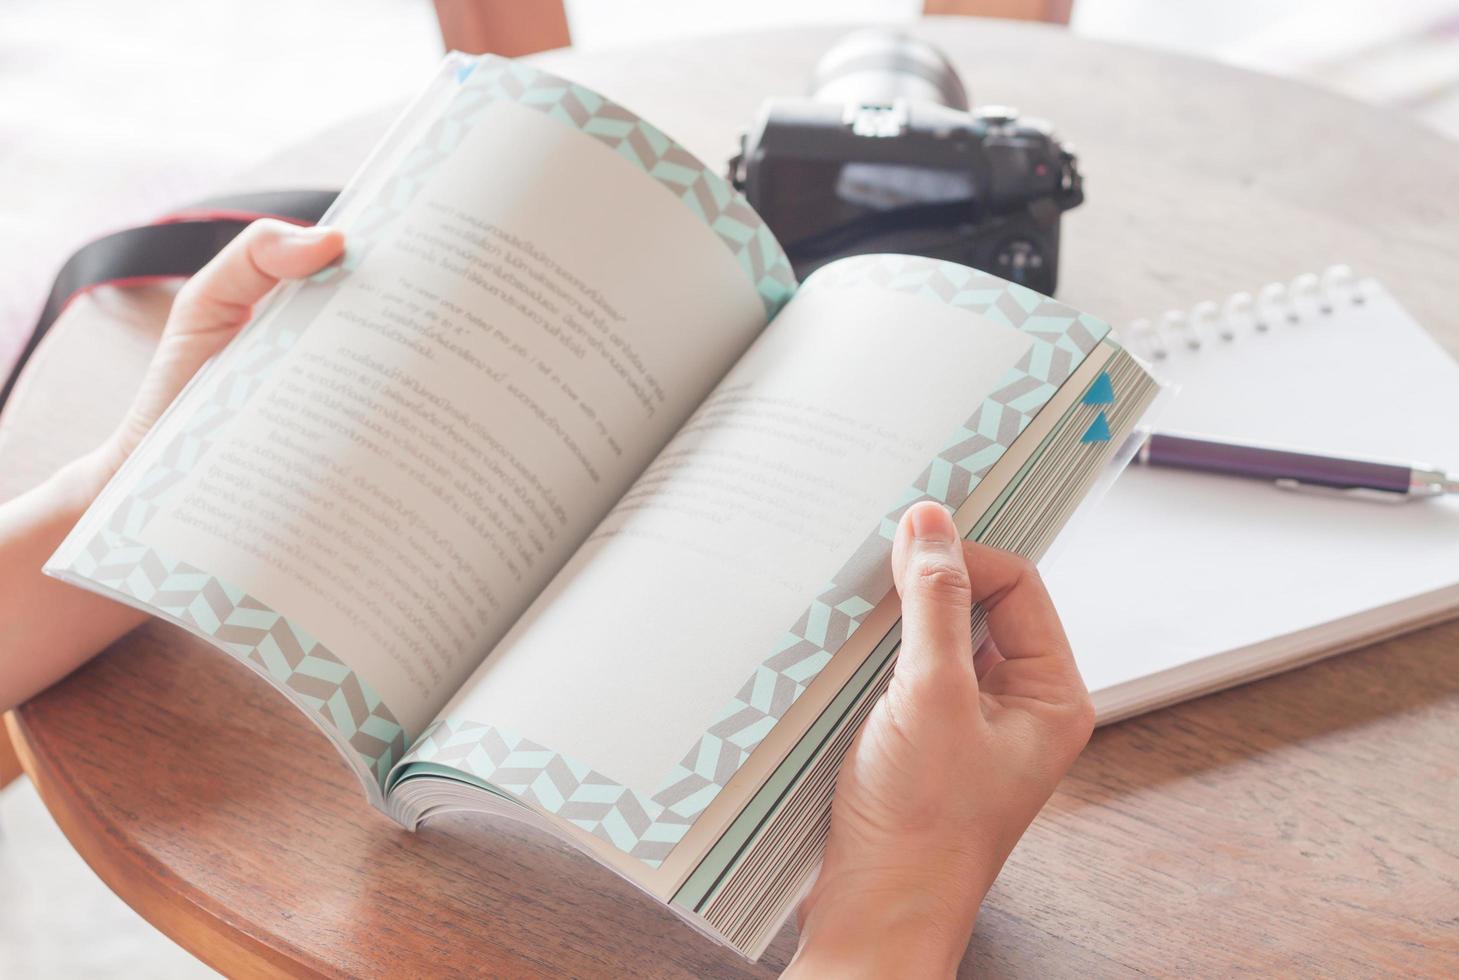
x: 223, y: 214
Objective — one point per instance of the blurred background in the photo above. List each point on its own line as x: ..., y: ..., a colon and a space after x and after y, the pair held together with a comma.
x: 112, y: 113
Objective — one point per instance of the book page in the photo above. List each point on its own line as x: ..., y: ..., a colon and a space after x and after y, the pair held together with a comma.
x: 695, y: 577
x: 419, y: 443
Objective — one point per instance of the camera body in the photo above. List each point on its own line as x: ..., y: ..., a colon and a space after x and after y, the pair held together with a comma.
x: 886, y: 157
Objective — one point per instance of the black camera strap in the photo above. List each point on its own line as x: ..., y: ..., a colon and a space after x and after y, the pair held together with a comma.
x: 173, y: 247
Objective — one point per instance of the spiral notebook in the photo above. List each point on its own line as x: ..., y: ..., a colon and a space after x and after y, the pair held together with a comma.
x: 1220, y: 580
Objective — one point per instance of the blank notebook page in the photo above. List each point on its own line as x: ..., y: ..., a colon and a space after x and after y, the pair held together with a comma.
x: 1173, y: 568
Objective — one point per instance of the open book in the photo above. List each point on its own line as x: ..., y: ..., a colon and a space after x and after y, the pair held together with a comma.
x: 559, y: 499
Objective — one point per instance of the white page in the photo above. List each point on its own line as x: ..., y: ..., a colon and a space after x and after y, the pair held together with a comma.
x: 651, y: 628
x: 1173, y: 566
x: 422, y: 461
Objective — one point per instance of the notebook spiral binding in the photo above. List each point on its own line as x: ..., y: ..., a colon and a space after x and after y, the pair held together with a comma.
x: 1307, y: 298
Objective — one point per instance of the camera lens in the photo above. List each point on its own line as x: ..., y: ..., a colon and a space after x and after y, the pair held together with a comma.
x: 878, y: 67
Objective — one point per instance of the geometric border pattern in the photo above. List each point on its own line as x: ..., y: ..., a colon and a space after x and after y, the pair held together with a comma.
x: 648, y: 828
x: 255, y: 634
x: 236, y: 621
x: 703, y: 191
x: 490, y: 79
x: 241, y: 623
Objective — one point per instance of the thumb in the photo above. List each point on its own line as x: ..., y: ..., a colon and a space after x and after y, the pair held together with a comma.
x: 931, y: 575
x: 213, y: 304
x: 221, y: 296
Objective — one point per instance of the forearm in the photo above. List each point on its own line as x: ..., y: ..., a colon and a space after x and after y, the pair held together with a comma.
x: 48, y: 628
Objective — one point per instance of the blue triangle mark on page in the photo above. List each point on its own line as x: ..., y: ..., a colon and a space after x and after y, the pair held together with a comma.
x: 1102, y: 392
x: 1098, y: 430
x: 464, y: 72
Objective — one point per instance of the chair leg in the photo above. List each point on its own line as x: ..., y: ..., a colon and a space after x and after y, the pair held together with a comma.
x: 1050, y: 11
x: 505, y: 27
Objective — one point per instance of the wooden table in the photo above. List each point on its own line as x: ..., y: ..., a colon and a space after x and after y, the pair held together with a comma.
x: 1306, y: 824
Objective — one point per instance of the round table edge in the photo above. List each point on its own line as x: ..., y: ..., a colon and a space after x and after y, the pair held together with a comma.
x: 171, y: 906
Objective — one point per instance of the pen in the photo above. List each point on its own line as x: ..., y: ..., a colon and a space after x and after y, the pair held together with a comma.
x: 1298, y: 471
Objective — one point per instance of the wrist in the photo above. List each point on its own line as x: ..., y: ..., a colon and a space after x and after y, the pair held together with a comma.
x: 886, y: 927
x: 81, y: 480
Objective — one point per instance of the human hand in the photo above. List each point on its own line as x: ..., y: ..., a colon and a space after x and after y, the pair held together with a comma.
x: 211, y: 308
x: 952, y: 764
x: 48, y: 628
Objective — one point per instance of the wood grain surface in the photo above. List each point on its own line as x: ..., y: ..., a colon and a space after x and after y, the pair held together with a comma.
x: 1307, y: 824
x: 9, y: 762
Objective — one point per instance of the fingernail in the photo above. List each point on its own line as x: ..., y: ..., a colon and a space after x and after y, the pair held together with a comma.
x: 932, y: 523
x: 308, y: 234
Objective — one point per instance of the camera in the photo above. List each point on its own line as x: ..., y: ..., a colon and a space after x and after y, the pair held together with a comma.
x: 885, y: 156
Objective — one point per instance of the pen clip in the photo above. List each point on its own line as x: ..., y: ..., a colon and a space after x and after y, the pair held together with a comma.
x: 1349, y: 493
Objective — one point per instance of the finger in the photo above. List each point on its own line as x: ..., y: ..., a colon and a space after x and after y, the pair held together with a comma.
x: 932, y: 578
x: 1022, y: 621
x: 986, y: 658
x: 223, y: 293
